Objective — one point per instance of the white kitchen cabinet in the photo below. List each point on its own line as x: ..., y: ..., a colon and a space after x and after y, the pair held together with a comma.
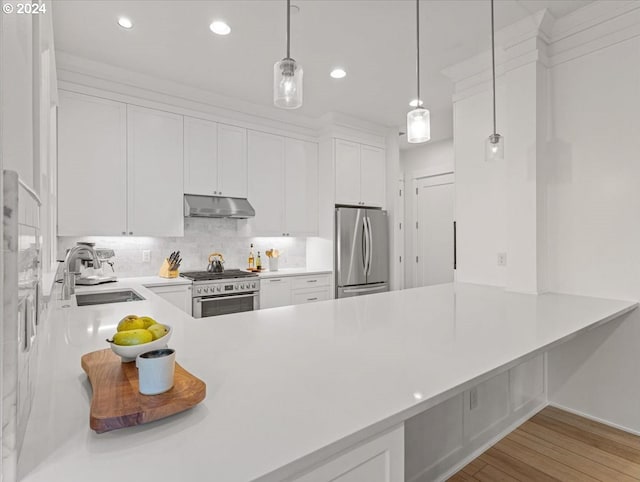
x: 275, y: 292
x: 300, y: 297
x: 380, y: 459
x: 155, y: 172
x: 301, y: 188
x: 92, y: 166
x: 359, y: 174
x: 283, y: 185
x: 177, y: 295
x: 215, y: 159
x: 232, y: 161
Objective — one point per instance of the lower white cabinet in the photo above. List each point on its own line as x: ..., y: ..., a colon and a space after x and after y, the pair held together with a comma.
x: 275, y: 292
x: 177, y: 295
x: 294, y: 290
x: 378, y: 460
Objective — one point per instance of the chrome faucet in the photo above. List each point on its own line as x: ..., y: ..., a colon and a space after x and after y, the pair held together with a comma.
x: 71, y: 261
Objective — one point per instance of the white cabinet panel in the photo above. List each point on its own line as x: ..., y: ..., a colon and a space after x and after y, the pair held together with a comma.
x: 275, y: 292
x: 372, y: 168
x: 232, y: 161
x: 299, y: 297
x: 486, y: 405
x: 179, y: 296
x: 313, y: 281
x: 200, y: 156
x: 527, y: 383
x: 347, y: 159
x: 92, y: 166
x: 155, y: 168
x: 378, y: 460
x: 266, y: 183
x: 301, y: 188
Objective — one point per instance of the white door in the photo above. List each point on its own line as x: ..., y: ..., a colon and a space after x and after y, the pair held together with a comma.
x: 435, y: 215
x: 347, y: 157
x: 232, y: 161
x: 92, y: 166
x: 200, y: 157
x: 301, y: 188
x: 372, y: 176
x: 155, y: 165
x: 266, y: 183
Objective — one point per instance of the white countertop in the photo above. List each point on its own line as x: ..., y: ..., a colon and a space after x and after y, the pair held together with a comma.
x: 292, y: 272
x: 288, y: 386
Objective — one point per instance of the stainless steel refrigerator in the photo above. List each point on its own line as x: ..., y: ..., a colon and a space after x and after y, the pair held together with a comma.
x: 361, y: 251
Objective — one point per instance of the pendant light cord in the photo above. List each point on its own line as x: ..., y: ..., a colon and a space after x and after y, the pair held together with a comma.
x: 493, y: 69
x: 289, y: 28
x: 418, y: 51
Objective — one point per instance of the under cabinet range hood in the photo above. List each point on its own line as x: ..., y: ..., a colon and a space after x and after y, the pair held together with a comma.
x: 217, y: 207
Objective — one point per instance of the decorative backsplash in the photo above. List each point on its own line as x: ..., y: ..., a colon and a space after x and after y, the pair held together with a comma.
x: 201, y: 237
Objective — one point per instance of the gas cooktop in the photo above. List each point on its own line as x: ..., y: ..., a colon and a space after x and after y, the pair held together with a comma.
x: 209, y: 276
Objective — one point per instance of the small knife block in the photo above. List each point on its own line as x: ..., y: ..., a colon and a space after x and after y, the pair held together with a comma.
x: 165, y: 272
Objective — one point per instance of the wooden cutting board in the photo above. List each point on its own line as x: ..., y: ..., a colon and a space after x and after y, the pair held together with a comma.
x: 116, y: 401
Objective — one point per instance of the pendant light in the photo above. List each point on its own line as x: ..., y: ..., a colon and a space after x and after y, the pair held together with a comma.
x: 287, y: 76
x: 418, y: 120
x: 494, y: 149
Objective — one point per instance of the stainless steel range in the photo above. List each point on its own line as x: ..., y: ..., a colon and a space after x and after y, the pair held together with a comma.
x: 231, y: 291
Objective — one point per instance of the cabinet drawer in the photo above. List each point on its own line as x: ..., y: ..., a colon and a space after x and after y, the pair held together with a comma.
x: 307, y: 296
x: 306, y: 282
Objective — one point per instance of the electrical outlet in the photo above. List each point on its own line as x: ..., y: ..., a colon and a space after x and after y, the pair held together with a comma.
x: 146, y: 255
x: 473, y: 398
x: 502, y: 259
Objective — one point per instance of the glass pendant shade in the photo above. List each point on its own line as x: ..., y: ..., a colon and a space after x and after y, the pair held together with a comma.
x: 494, y: 148
x: 287, y: 84
x: 418, y: 125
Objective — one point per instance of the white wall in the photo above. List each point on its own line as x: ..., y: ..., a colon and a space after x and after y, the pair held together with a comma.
x: 422, y: 160
x: 593, y: 226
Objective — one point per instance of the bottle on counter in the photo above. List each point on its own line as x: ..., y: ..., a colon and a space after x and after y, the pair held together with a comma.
x: 258, y: 261
x: 251, y: 260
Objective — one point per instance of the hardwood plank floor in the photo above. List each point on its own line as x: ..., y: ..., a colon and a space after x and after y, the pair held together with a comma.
x: 555, y: 445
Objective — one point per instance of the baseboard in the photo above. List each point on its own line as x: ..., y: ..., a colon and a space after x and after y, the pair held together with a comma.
x: 492, y: 441
x: 595, y: 419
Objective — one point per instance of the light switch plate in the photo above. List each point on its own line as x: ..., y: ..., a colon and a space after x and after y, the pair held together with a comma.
x: 146, y: 255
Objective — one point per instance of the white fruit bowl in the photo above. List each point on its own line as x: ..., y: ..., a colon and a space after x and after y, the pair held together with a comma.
x: 129, y: 353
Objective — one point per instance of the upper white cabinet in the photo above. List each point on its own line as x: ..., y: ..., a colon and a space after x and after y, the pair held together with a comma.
x: 359, y: 174
x: 92, y: 166
x: 283, y: 185
x: 154, y: 166
x: 120, y: 169
x: 215, y: 159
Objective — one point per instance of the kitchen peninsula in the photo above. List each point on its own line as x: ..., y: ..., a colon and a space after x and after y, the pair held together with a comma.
x: 290, y: 388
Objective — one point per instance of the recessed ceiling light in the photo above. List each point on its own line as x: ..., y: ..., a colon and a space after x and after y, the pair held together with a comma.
x: 338, y: 73
x: 219, y: 27
x: 125, y: 22
x: 414, y: 103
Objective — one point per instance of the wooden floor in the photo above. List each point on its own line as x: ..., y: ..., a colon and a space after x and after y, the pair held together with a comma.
x: 556, y: 445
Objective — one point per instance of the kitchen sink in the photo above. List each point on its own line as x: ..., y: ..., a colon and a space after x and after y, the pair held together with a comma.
x: 105, y: 297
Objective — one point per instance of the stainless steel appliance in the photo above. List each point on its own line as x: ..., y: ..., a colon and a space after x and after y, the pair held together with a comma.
x: 232, y: 291
x: 361, y: 251
x: 217, y: 207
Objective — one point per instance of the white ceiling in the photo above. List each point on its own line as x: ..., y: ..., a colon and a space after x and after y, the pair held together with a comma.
x: 374, y: 40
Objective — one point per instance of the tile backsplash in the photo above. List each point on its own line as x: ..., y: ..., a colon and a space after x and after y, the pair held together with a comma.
x: 201, y: 237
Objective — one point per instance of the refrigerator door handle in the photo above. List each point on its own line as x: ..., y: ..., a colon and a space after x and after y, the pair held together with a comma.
x: 366, y: 246
x: 370, y: 237
x: 365, y: 290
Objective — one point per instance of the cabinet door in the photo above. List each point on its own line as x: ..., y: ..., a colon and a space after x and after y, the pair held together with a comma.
x: 92, y: 166
x: 266, y: 183
x: 301, y: 188
x: 299, y: 297
x: 347, y: 157
x: 232, y: 161
x: 275, y: 292
x: 155, y: 149
x: 179, y: 296
x: 200, y: 156
x: 372, y: 176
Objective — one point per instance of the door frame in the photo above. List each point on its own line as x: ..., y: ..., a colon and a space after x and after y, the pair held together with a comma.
x: 414, y: 213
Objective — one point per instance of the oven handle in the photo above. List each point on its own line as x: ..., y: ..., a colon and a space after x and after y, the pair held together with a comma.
x: 223, y: 297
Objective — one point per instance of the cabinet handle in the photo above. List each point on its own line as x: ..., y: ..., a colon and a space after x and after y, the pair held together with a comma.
x: 312, y: 281
x: 312, y: 299
x: 130, y: 232
x: 124, y: 233
x: 274, y: 280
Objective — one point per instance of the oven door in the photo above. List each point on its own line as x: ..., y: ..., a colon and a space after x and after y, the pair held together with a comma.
x: 224, y: 304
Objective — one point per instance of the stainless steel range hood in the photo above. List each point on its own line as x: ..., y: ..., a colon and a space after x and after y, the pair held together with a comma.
x: 217, y: 207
